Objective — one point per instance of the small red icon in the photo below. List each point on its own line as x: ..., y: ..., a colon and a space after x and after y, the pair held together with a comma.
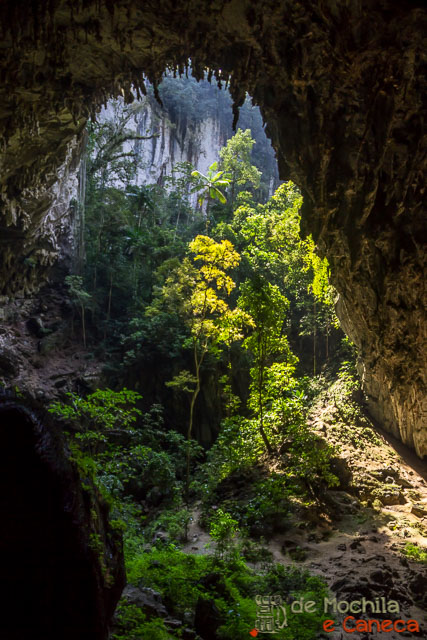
x: 253, y: 633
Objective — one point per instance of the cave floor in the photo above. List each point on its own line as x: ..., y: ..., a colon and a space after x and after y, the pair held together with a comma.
x: 357, y: 543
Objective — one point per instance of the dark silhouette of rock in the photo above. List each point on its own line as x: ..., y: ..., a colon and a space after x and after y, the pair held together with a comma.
x: 62, y: 565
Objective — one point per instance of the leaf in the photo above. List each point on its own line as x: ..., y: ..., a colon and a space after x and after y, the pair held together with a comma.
x: 184, y: 381
x: 216, y: 177
x: 221, y: 197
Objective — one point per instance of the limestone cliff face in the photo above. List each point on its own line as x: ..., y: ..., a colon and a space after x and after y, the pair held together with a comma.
x: 169, y: 144
x: 36, y: 221
x: 200, y: 146
x: 341, y: 86
x: 186, y: 131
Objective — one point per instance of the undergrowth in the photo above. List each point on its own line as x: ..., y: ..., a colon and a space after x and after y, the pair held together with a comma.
x: 189, y: 583
x: 414, y: 552
x: 345, y: 413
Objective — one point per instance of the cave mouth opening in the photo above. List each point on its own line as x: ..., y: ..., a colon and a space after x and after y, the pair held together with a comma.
x: 340, y: 90
x: 47, y: 587
x: 185, y: 118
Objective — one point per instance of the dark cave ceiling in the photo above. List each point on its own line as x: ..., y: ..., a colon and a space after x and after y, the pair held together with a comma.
x: 341, y: 86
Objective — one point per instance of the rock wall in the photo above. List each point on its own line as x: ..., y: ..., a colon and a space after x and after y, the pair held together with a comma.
x: 36, y: 221
x: 342, y: 88
x: 62, y: 563
x: 176, y: 135
x: 198, y: 144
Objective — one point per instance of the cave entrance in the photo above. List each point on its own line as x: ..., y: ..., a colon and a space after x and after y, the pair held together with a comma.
x: 149, y: 140
x: 47, y: 590
x: 340, y: 87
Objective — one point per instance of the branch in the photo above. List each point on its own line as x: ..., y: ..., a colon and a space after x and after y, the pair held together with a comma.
x: 114, y: 142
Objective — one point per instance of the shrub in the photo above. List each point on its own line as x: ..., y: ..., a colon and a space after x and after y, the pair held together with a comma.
x: 231, y: 586
x: 414, y: 552
x: 223, y: 531
x: 131, y: 624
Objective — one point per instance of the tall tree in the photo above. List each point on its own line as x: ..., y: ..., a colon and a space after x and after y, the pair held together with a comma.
x: 267, y: 307
x: 197, y: 292
x: 236, y: 161
x: 80, y: 298
x: 268, y: 238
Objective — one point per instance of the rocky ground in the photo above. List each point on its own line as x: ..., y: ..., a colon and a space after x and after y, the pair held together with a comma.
x: 41, y: 356
x: 359, y: 545
x: 358, y: 541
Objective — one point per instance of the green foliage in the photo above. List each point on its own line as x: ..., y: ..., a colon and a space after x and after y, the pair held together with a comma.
x: 236, y: 162
x: 231, y: 586
x: 223, y: 530
x: 101, y: 412
x: 268, y: 238
x: 184, y: 381
x: 105, y: 409
x: 236, y: 159
x: 173, y: 524
x: 132, y: 624
x: 238, y: 305
x: 260, y: 511
x: 80, y: 298
x: 267, y: 510
x: 298, y: 584
x: 154, y: 338
x: 414, y: 552
x: 266, y: 305
x: 197, y: 295
x: 129, y: 231
x: 123, y: 451
x: 268, y: 235
x: 304, y: 460
x: 77, y: 293
x: 210, y: 186
x: 349, y: 417
x: 171, y: 572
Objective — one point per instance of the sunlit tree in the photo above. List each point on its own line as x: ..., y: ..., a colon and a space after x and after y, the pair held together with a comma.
x: 236, y: 161
x: 197, y: 291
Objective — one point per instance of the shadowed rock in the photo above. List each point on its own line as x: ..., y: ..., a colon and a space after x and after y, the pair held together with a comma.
x: 61, y: 565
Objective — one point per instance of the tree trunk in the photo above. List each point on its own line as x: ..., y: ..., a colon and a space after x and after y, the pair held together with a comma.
x: 314, y: 339
x: 110, y: 294
x: 208, y: 205
x: 261, y: 403
x: 177, y: 223
x: 197, y: 364
x: 84, y: 326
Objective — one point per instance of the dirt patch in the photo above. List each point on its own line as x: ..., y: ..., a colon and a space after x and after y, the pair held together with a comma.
x: 358, y: 545
x: 357, y: 542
